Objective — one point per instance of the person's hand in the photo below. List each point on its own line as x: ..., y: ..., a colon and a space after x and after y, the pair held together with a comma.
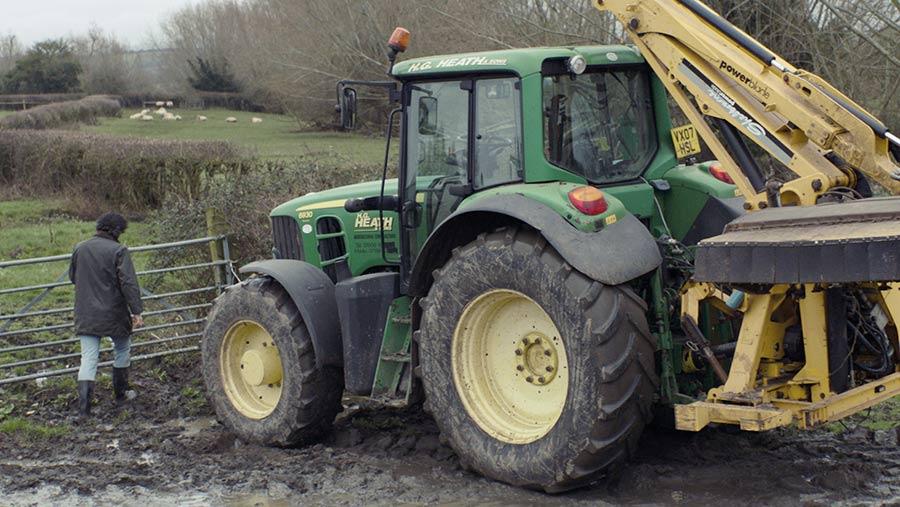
x: 137, y: 321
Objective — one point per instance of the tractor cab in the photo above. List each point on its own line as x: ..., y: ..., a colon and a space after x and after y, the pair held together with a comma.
x: 493, y: 123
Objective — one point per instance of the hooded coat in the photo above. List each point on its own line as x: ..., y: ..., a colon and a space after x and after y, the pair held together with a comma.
x: 106, y: 287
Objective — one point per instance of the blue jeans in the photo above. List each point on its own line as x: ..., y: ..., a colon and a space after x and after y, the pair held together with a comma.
x: 90, y: 355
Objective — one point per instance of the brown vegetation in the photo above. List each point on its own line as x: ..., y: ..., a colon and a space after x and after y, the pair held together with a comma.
x: 96, y: 171
x: 289, y: 53
x: 61, y: 114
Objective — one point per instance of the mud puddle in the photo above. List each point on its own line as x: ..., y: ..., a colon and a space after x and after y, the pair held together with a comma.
x: 393, y: 457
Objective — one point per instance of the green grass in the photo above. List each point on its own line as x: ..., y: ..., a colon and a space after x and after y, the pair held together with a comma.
x: 276, y: 138
x: 38, y: 228
x: 32, y: 431
x: 884, y: 416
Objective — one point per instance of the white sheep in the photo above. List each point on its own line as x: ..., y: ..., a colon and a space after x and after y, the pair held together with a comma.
x: 231, y: 119
x: 178, y: 117
x: 169, y: 117
x: 146, y: 117
x: 145, y: 111
x: 160, y: 103
x: 170, y: 104
x: 161, y: 111
x: 256, y: 120
x: 136, y: 116
x: 202, y: 118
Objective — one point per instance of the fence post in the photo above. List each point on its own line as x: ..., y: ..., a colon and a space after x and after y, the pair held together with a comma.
x: 216, y: 226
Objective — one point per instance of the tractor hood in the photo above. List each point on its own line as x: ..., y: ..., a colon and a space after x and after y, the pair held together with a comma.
x: 334, y: 198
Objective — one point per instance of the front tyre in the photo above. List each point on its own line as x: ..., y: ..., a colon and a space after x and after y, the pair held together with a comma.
x: 537, y: 375
x: 260, y: 369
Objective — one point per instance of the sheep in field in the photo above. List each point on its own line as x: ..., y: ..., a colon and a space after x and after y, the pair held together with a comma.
x: 136, y: 116
x: 202, y: 118
x: 161, y: 111
x: 231, y: 119
x: 170, y: 104
x: 146, y: 117
x: 160, y: 103
x: 256, y: 120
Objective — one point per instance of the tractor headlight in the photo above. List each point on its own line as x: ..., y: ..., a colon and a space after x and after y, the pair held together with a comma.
x: 577, y: 64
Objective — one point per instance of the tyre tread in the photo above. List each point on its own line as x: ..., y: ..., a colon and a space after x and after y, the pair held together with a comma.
x: 623, y: 354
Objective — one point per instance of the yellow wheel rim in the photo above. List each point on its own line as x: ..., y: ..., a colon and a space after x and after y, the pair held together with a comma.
x: 509, y: 366
x: 251, y: 369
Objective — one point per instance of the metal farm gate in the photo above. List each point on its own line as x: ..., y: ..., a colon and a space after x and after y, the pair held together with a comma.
x: 37, y: 333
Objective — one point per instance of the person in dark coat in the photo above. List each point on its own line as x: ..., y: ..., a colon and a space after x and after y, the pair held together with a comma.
x: 107, y: 303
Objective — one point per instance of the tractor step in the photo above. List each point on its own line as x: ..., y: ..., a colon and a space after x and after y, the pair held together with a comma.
x: 857, y: 241
x: 397, y: 358
x: 392, y: 375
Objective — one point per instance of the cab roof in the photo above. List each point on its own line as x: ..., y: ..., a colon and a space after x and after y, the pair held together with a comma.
x: 518, y: 61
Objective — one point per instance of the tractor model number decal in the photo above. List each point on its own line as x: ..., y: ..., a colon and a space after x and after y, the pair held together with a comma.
x: 305, y: 215
x: 366, y: 222
x: 446, y: 63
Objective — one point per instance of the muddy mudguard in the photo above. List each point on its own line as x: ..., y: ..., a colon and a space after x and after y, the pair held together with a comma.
x: 616, y: 254
x: 313, y: 293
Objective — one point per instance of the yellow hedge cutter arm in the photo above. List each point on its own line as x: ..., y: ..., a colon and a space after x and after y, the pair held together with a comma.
x: 713, y: 69
x: 811, y: 274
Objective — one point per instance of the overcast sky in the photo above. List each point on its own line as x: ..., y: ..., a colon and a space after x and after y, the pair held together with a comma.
x: 130, y: 20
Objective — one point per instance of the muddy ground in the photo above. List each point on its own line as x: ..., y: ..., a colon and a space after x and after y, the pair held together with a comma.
x: 168, y: 450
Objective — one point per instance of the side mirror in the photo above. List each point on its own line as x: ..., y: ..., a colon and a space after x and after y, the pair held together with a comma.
x: 428, y: 116
x: 347, y: 108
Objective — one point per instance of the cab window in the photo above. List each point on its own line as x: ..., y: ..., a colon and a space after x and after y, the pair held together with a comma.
x: 498, y: 130
x: 599, y: 124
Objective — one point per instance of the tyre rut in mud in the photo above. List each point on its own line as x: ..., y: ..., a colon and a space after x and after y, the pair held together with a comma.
x: 604, y: 344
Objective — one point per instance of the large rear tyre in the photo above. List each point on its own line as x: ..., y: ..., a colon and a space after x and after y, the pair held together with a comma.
x: 260, y: 369
x: 536, y: 375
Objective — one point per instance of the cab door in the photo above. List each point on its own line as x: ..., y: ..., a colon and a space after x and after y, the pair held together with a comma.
x: 436, y: 148
x: 460, y: 136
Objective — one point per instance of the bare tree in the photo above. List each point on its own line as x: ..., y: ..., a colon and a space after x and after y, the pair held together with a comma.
x: 10, y: 51
x: 108, y: 65
x: 289, y: 53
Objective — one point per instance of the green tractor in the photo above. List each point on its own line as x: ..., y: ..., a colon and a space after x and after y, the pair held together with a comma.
x: 520, y: 275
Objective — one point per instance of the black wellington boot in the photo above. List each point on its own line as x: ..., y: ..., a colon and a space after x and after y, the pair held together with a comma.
x: 120, y: 386
x: 85, y: 393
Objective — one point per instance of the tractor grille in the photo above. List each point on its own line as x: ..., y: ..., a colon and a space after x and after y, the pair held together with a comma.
x: 288, y: 244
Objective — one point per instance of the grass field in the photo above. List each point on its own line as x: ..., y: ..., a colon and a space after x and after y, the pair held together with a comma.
x: 40, y: 228
x: 277, y: 137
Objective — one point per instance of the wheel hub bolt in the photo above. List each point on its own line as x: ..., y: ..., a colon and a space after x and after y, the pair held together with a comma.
x: 536, y: 358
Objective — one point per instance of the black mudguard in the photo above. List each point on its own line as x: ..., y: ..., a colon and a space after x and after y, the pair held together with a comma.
x: 613, y: 255
x: 313, y: 293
